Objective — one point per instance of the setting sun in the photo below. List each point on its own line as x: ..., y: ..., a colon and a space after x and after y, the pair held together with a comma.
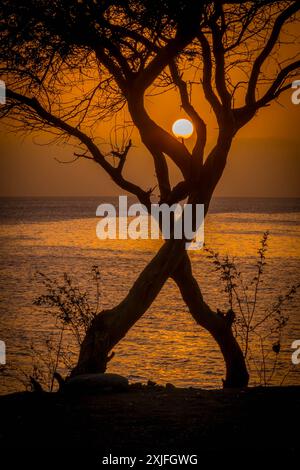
x: 183, y: 128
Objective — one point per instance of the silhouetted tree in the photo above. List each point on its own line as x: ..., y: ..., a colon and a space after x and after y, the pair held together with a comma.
x: 111, y: 54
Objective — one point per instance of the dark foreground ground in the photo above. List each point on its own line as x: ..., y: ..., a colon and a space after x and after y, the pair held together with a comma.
x: 147, y: 420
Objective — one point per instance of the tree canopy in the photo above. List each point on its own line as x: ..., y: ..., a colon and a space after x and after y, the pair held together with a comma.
x: 70, y: 64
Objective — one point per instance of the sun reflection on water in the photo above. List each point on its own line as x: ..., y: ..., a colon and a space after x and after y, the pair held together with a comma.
x: 165, y: 345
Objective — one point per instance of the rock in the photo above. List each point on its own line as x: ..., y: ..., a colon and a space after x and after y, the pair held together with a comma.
x: 170, y: 386
x: 137, y: 386
x: 96, y: 383
x: 150, y: 383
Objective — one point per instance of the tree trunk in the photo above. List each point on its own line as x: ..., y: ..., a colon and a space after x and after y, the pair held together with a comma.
x: 110, y: 326
x: 218, y: 325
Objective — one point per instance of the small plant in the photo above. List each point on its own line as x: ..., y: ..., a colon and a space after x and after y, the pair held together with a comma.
x: 259, y: 330
x: 70, y: 306
x: 73, y: 311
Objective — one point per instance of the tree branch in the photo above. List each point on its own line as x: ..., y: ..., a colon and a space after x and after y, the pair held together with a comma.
x: 207, y: 76
x: 218, y: 51
x: 155, y: 137
x: 200, y: 126
x: 275, y: 89
x: 113, y: 69
x: 256, y: 69
x: 98, y: 157
x: 162, y: 173
x: 187, y: 30
x: 122, y: 156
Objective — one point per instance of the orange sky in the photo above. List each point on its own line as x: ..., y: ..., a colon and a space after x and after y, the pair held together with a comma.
x: 264, y: 159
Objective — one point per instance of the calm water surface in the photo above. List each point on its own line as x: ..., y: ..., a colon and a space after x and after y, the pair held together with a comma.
x: 59, y: 235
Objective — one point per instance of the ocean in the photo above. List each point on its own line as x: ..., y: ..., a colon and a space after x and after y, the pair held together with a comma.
x: 58, y: 235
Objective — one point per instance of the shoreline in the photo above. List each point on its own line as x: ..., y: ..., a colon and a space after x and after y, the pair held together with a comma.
x: 154, y: 419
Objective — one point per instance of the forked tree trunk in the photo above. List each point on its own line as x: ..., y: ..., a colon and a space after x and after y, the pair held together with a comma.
x: 110, y: 326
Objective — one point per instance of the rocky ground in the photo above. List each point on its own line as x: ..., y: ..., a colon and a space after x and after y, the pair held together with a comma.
x: 151, y: 419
